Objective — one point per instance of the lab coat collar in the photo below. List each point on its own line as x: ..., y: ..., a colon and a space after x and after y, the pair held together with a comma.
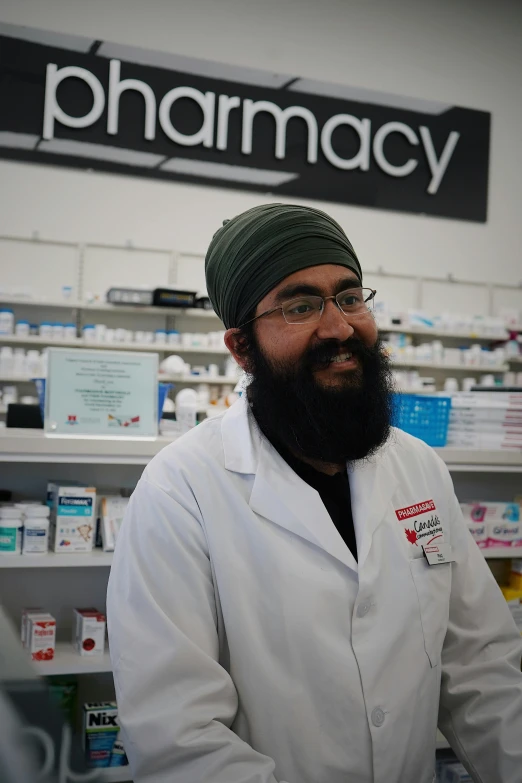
x: 283, y: 497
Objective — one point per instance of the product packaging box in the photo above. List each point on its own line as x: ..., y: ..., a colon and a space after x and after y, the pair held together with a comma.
x: 89, y: 632
x: 102, y: 744
x: 26, y: 613
x: 502, y: 523
x: 112, y: 511
x: 41, y: 637
x: 73, y: 516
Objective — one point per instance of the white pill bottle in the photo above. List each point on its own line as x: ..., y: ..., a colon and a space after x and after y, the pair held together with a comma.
x: 36, y: 530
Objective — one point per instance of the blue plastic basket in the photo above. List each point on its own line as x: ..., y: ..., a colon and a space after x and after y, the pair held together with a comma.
x: 423, y: 416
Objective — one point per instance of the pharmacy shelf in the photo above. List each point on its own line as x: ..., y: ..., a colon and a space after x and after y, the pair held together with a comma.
x: 25, y: 445
x: 106, y: 307
x: 502, y: 553
x: 67, y: 661
x: 481, y: 460
x: 81, y: 343
x: 514, y: 359
x: 455, y: 334
x: 115, y: 775
x: 451, y: 367
x: 212, y: 381
x: 97, y: 559
x: 163, y: 377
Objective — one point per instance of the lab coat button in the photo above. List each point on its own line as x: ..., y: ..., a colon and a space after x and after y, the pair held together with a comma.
x: 377, y: 717
x: 363, y: 609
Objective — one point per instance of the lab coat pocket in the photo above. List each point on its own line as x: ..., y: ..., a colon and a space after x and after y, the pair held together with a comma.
x: 433, y: 587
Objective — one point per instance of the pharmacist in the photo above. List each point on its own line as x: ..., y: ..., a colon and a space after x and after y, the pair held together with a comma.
x: 294, y: 595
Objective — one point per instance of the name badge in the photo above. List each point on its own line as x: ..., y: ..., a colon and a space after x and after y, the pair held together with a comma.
x: 438, y: 553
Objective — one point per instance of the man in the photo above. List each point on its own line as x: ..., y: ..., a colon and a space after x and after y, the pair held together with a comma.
x: 273, y: 615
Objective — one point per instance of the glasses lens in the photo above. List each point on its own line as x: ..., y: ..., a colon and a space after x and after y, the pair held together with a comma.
x: 356, y: 301
x: 303, y: 310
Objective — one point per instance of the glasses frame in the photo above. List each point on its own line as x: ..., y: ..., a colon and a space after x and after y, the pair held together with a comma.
x: 281, y: 307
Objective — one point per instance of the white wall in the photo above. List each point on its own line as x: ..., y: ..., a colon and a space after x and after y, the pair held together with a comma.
x: 465, y: 52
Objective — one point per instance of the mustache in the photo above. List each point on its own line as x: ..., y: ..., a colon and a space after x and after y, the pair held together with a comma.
x: 322, y: 354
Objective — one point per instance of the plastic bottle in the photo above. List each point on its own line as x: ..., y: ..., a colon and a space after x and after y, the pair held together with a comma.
x: 186, y: 409
x: 22, y: 329
x: 6, y: 321
x: 36, y: 530
x: 10, y: 531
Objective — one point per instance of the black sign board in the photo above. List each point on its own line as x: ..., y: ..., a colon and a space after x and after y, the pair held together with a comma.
x: 71, y: 101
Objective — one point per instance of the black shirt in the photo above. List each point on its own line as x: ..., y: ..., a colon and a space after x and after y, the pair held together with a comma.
x: 334, y: 491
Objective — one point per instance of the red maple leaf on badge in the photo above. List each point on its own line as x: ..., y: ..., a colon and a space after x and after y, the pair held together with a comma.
x: 411, y: 535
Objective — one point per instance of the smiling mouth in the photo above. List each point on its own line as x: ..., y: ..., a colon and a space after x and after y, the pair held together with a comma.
x: 343, y: 357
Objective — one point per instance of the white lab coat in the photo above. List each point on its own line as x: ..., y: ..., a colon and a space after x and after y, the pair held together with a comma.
x: 248, y: 646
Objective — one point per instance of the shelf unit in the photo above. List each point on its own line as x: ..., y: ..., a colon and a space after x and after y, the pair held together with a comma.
x: 95, y: 559
x: 163, y: 377
x: 451, y: 367
x: 25, y: 445
x: 79, y: 342
x: 67, y: 661
x: 439, y: 333
x: 99, y: 559
x: 70, y: 304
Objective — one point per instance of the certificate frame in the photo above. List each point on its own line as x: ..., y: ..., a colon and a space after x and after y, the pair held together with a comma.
x: 98, y: 393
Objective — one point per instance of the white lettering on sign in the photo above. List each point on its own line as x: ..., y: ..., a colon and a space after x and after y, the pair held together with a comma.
x: 206, y: 136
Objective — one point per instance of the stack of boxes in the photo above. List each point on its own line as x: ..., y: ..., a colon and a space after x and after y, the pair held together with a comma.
x: 486, y: 420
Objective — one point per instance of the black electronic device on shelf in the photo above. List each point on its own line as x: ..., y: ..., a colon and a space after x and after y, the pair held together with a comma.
x: 173, y: 297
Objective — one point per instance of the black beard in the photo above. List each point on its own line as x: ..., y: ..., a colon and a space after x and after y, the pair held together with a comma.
x: 331, y: 424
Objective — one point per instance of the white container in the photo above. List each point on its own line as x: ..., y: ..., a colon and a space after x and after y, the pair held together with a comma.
x: 186, y: 409
x: 89, y: 334
x: 36, y: 532
x: 69, y: 332
x: 10, y: 531
x: 58, y: 331
x: 6, y: 361
x: 160, y: 336
x: 174, y: 337
x: 186, y: 339
x: 6, y: 321
x: 33, y: 361
x: 46, y: 330
x: 120, y: 335
x: 100, y: 331
x: 22, y: 329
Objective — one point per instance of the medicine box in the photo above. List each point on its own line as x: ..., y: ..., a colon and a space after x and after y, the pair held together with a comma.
x: 26, y: 614
x: 41, y: 637
x: 73, y: 516
x: 112, y: 511
x: 89, y: 632
x: 100, y: 732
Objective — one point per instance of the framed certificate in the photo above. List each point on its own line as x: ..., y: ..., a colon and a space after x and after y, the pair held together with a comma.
x: 99, y: 393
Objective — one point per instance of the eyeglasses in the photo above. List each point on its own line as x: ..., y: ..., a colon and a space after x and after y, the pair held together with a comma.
x: 355, y: 302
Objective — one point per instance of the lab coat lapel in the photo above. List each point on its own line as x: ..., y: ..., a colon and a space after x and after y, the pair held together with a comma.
x: 372, y: 484
x: 278, y: 494
x: 284, y: 498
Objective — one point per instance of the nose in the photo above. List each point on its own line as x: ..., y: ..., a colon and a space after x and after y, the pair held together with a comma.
x: 333, y: 324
